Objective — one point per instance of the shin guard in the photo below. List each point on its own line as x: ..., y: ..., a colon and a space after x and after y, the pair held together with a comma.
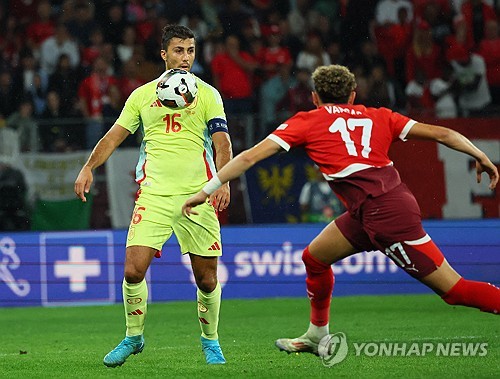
x: 319, y: 283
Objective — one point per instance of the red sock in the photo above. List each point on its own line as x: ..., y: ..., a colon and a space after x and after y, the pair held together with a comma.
x: 319, y: 283
x: 484, y: 296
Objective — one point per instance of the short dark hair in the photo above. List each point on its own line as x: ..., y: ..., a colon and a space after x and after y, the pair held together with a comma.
x: 175, y: 31
x: 333, y: 83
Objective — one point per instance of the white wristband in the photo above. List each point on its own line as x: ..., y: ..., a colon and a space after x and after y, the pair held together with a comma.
x: 213, y: 185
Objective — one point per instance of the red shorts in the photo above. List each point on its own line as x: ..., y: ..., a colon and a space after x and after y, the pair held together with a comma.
x: 392, y: 224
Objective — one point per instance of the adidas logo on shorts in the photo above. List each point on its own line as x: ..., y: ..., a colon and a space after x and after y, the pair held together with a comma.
x: 215, y: 246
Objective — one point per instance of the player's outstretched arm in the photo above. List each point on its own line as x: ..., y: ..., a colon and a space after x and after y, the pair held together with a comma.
x: 459, y: 142
x: 104, y: 148
x: 232, y: 170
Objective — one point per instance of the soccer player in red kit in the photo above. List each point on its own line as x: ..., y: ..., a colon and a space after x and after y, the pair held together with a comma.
x: 350, y: 145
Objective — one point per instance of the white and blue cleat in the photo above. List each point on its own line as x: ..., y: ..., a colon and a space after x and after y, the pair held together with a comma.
x: 129, y: 345
x: 212, y: 351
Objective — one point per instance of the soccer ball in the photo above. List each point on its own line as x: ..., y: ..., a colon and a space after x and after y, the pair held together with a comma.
x: 176, y: 88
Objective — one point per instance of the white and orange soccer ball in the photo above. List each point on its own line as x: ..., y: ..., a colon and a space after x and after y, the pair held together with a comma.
x: 176, y: 88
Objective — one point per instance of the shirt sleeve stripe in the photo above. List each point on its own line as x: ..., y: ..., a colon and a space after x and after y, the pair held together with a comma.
x: 279, y: 141
x: 420, y: 241
x: 406, y: 129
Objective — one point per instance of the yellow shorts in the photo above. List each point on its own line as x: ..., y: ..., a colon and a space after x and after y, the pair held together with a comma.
x: 156, y: 217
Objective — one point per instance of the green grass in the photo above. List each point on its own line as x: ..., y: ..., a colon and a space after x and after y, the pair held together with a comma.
x: 71, y: 342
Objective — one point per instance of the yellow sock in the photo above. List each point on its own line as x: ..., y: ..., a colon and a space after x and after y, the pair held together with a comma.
x: 208, y: 312
x: 135, y: 301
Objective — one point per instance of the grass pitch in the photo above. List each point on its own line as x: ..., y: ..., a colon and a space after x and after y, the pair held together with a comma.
x: 71, y: 342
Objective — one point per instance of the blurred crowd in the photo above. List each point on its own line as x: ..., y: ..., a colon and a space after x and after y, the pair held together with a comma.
x: 66, y: 67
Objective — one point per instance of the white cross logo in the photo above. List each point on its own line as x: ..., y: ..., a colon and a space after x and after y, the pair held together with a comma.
x: 77, y: 269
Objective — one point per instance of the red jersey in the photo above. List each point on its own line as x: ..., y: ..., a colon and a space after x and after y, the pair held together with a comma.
x: 348, y: 142
x: 93, y: 89
x: 489, y: 49
x: 234, y: 81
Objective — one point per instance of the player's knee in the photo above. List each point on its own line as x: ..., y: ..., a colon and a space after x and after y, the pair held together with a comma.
x: 206, y: 283
x: 132, y: 275
x: 313, y: 265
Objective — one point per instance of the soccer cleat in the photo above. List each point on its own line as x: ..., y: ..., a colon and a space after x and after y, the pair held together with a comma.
x: 129, y: 345
x: 300, y: 344
x: 213, y: 352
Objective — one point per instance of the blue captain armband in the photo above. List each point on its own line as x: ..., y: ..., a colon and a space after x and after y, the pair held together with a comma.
x: 217, y: 125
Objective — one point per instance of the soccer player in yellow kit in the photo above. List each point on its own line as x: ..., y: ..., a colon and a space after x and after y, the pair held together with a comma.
x: 175, y: 162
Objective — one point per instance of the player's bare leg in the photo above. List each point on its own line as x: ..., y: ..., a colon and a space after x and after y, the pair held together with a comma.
x: 327, y: 248
x: 209, y: 298
x: 455, y: 290
x: 443, y: 279
x: 135, y: 298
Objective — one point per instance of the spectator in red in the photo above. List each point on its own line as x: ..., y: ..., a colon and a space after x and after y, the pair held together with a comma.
x: 92, y: 93
x: 424, y: 54
x: 94, y: 87
x: 476, y: 14
x: 489, y: 49
x: 145, y: 27
x: 42, y: 28
x: 274, y: 54
x: 460, y: 38
x: 232, y: 71
x: 393, y: 41
x: 232, y: 74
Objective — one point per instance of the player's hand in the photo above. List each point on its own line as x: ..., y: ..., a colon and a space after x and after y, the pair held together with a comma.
x: 220, y: 199
x: 83, y: 183
x: 199, y: 198
x: 485, y: 165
